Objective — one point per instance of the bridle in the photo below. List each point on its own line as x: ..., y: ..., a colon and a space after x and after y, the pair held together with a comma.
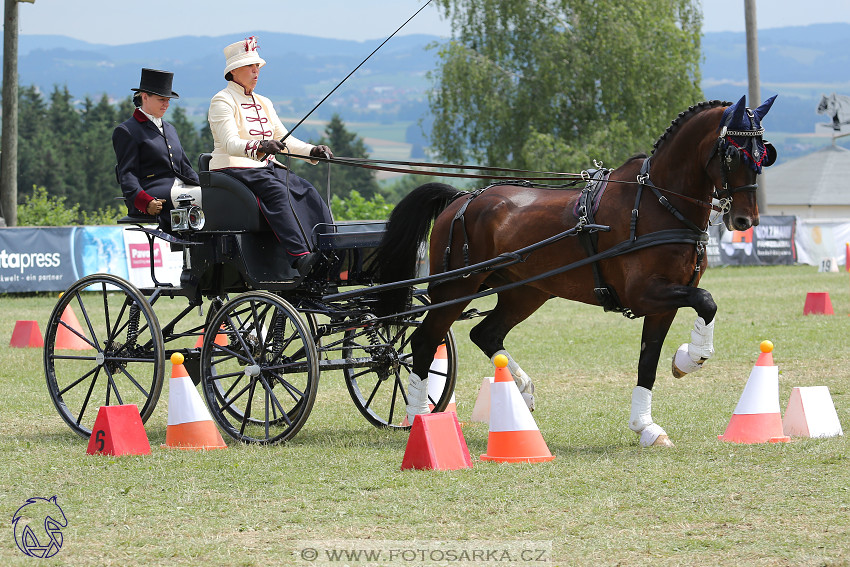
x: 729, y: 153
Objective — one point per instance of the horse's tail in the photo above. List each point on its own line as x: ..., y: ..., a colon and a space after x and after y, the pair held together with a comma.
x: 407, y: 228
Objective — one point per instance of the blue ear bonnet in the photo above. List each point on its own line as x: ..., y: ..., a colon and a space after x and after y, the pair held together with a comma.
x: 742, y: 129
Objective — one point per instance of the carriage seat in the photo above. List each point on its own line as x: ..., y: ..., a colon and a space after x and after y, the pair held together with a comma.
x: 229, y: 206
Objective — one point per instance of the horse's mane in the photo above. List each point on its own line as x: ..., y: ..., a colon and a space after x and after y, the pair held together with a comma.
x: 685, y: 115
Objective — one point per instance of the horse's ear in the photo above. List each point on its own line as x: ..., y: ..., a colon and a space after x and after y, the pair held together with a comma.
x: 761, y: 111
x: 733, y: 117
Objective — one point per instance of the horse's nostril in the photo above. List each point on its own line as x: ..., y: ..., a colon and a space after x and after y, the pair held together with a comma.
x: 742, y: 223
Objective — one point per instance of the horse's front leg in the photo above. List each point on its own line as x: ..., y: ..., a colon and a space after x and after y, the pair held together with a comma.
x: 655, y: 329
x: 691, y: 356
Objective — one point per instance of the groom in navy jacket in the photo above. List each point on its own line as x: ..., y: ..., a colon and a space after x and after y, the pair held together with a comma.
x: 152, y: 166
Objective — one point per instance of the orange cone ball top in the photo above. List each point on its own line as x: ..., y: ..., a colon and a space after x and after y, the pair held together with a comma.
x: 177, y: 358
x: 766, y: 346
x: 502, y: 373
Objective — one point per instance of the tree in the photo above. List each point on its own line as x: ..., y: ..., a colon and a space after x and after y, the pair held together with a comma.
x: 547, y: 84
x: 97, y: 187
x: 34, y: 140
x: 188, y: 134
x: 344, y: 179
x: 125, y: 110
x: 63, y: 161
x: 206, y: 142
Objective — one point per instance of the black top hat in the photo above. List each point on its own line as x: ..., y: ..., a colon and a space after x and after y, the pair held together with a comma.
x: 156, y: 82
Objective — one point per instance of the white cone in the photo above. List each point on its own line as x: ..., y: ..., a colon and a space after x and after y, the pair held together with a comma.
x: 481, y: 411
x: 811, y: 413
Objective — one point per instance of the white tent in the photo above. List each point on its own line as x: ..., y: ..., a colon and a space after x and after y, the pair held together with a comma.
x: 814, y: 186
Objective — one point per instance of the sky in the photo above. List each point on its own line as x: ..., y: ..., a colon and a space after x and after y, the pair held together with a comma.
x: 117, y: 22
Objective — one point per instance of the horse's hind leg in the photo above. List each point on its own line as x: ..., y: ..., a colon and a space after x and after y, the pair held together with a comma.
x: 423, y: 343
x: 512, y: 307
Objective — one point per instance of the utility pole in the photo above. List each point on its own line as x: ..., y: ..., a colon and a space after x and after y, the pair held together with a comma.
x: 9, y: 154
x: 754, y: 94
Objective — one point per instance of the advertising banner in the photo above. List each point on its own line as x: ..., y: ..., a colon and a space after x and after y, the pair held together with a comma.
x: 52, y: 258
x: 772, y: 242
x: 167, y: 264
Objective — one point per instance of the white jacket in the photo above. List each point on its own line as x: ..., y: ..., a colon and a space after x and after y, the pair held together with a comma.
x: 239, y: 122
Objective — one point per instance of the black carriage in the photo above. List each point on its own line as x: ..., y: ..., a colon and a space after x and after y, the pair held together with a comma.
x: 268, y: 332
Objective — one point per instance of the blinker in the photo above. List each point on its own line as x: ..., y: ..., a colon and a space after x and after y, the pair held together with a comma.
x: 770, y: 154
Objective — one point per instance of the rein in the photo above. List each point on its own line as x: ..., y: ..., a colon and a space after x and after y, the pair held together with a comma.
x: 566, y: 180
x: 368, y: 163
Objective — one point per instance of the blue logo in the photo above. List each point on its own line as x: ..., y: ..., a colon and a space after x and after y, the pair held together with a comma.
x: 38, y: 527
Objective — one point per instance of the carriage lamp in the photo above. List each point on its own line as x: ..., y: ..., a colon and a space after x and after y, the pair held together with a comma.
x: 186, y: 216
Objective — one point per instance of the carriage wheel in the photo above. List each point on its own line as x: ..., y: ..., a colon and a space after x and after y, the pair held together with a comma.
x: 113, y: 356
x: 261, y: 385
x: 380, y: 390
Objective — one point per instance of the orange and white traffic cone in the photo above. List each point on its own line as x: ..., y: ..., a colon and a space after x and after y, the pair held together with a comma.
x: 189, y: 423
x: 757, y: 417
x: 437, y: 374
x: 67, y: 339
x: 514, y: 436
x: 220, y: 339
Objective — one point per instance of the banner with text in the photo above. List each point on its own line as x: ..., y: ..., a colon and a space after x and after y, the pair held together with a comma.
x: 771, y: 242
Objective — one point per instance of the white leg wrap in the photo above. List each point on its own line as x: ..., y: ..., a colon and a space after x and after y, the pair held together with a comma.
x: 641, y: 417
x: 417, y: 397
x: 702, y: 340
x: 691, y: 356
x: 640, y: 420
x: 523, y: 382
x: 649, y: 435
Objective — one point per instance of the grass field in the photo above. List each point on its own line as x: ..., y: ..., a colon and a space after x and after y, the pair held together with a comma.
x: 602, y: 501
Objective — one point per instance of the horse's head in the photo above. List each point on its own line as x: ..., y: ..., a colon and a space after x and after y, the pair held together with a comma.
x: 825, y: 104
x: 739, y: 153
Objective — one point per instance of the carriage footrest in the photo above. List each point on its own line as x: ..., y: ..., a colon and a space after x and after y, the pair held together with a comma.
x: 158, y: 233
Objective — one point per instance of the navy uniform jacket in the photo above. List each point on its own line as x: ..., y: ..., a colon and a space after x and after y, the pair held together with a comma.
x: 149, y: 161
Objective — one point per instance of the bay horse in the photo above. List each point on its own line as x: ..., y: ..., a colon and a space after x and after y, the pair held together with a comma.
x: 637, y: 240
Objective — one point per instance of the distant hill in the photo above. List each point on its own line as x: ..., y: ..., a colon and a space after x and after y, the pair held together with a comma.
x: 800, y: 63
x: 300, y: 69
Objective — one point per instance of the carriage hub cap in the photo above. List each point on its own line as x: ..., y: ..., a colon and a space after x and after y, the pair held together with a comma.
x: 252, y: 371
x: 99, y: 358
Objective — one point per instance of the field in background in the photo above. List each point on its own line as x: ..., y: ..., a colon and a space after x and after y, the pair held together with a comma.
x: 602, y: 501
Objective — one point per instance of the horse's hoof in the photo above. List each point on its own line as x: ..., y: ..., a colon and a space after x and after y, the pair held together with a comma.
x: 683, y: 363
x: 662, y: 441
x: 654, y: 435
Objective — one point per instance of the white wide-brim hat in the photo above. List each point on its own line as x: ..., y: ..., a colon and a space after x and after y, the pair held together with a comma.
x: 242, y: 53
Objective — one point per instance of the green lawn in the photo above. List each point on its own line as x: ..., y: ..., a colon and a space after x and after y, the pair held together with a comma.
x: 602, y: 501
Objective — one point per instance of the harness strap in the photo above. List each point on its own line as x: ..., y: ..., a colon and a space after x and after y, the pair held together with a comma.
x: 644, y: 179
x: 459, y: 216
x: 589, y: 239
x: 671, y: 236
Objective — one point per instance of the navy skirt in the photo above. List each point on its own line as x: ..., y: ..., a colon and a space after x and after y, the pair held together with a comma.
x: 290, y: 204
